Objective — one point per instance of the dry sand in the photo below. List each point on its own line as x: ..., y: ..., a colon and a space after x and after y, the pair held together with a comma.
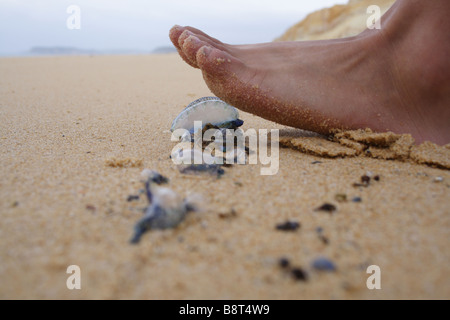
x: 63, y: 203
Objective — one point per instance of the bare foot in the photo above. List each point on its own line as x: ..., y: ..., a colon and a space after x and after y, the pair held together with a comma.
x: 396, y: 78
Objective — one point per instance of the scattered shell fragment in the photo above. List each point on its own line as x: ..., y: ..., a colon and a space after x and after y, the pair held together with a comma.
x: 209, y: 110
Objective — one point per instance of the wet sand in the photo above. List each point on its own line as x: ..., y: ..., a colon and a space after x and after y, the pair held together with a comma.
x: 62, y: 202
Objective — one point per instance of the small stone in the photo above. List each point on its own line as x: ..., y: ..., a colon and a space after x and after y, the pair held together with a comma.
x: 327, y: 207
x: 299, y: 274
x: 284, y: 262
x: 288, y: 226
x: 323, y: 264
x: 438, y: 179
x: 356, y: 199
x: 365, y: 179
x: 376, y: 178
x: 132, y: 197
x: 340, y: 197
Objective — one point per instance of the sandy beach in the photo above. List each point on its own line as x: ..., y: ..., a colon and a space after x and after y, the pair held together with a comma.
x: 61, y: 204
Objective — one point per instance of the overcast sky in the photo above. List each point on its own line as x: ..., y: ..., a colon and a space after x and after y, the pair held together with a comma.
x: 144, y: 24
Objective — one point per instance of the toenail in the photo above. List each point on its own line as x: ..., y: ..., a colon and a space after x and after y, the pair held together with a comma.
x: 193, y: 40
x: 183, y: 37
x: 187, y: 33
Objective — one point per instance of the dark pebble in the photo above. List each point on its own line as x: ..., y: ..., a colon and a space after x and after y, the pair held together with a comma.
x: 319, y: 229
x: 365, y: 179
x: 132, y: 197
x: 323, y: 264
x: 284, y: 262
x: 288, y: 226
x: 316, y: 162
x: 299, y: 274
x: 357, y: 199
x: 376, y: 178
x: 328, y: 207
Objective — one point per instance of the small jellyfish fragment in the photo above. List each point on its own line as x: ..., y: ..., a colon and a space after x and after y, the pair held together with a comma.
x: 209, y: 110
x: 166, y: 210
x: 323, y: 264
x: 199, y: 169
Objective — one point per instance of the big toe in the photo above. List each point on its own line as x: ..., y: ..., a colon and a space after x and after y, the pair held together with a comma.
x: 175, y: 35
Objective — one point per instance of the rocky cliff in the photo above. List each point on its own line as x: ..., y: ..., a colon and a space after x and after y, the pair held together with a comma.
x: 336, y: 22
